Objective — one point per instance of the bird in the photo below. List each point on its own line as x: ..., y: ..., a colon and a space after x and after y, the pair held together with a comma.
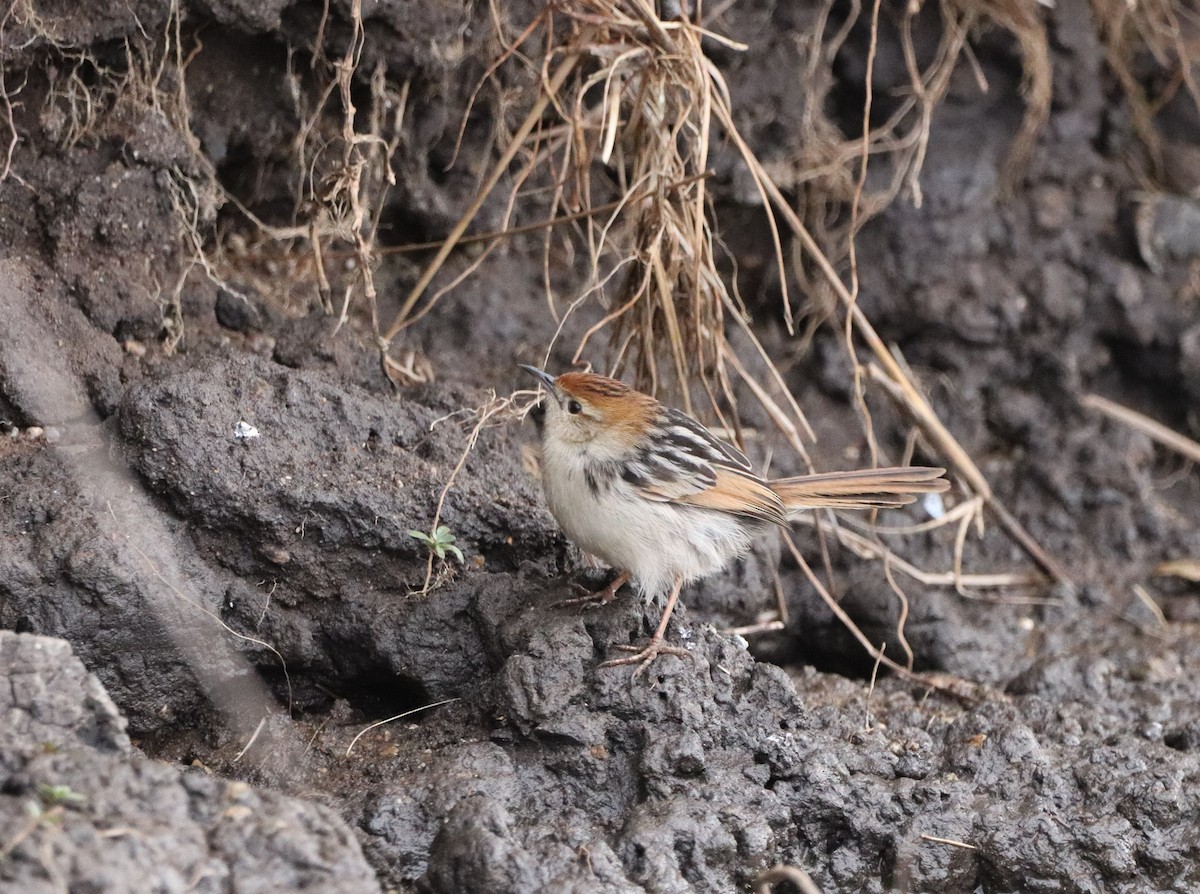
x: 654, y: 494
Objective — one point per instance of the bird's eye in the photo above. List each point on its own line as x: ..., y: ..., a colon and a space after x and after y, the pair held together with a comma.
x: 574, y: 407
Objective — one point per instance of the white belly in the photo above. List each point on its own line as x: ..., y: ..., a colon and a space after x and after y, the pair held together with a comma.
x: 654, y: 542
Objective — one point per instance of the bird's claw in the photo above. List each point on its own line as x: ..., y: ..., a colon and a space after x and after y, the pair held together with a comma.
x: 643, y: 658
x: 590, y: 598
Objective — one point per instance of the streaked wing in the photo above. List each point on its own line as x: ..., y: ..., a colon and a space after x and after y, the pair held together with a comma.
x: 685, y: 432
x: 688, y: 465
x: 740, y: 493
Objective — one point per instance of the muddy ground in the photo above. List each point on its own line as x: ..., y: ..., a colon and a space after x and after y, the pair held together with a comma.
x: 238, y: 609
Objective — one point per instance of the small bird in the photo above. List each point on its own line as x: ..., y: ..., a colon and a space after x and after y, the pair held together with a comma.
x: 657, y: 496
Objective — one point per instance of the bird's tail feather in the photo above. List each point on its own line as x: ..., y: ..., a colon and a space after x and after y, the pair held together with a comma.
x: 867, y: 489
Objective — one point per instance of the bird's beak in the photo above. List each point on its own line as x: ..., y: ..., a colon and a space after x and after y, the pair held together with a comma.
x: 544, y: 377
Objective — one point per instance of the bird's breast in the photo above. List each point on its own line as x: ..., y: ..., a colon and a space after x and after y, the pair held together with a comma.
x: 607, y: 516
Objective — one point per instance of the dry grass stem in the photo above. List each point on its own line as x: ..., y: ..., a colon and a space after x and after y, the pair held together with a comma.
x: 1153, y: 607
x: 400, y: 716
x: 1165, y: 33
x: 892, y: 375
x: 250, y: 742
x: 1156, y: 431
x: 868, y: 726
x: 860, y: 397
x: 42, y: 819
x: 765, y: 882
x: 941, y: 682
x: 868, y: 548
x: 748, y: 630
x: 967, y: 509
x: 1022, y: 19
x: 509, y: 232
x: 901, y: 619
x: 1185, y: 569
x: 949, y: 841
x: 498, y: 170
x: 6, y: 116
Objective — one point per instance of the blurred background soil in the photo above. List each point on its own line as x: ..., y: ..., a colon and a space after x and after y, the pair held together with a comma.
x: 211, y: 213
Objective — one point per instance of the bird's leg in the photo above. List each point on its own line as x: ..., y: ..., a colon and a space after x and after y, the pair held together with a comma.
x: 603, y: 596
x: 656, y: 646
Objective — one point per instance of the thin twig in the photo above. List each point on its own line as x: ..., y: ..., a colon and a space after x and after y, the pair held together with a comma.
x: 489, y: 410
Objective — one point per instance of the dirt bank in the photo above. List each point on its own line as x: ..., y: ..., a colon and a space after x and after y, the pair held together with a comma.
x: 208, y: 482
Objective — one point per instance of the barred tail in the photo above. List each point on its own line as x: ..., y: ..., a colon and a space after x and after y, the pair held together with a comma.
x: 867, y: 489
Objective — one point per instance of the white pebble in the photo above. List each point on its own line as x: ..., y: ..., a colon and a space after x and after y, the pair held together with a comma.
x: 244, y: 431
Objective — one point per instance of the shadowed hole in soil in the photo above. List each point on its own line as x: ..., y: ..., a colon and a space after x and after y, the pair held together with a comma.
x: 847, y: 658
x: 373, y: 695
x: 241, y: 171
x: 401, y: 225
x: 1154, y: 367
x: 379, y: 696
x: 844, y: 103
x: 685, y: 849
x: 1184, y: 739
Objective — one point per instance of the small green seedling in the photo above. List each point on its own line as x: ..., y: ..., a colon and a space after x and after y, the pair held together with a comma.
x: 53, y: 795
x: 440, y: 542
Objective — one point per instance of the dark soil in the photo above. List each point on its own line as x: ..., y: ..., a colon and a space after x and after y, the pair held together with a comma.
x: 246, y: 606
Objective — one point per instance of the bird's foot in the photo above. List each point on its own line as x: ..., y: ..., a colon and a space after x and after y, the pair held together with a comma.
x: 645, y: 657
x: 603, y: 596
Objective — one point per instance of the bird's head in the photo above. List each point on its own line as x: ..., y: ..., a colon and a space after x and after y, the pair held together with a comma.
x: 602, y: 414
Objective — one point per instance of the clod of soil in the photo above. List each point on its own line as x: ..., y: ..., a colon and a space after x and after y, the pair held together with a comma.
x: 80, y: 808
